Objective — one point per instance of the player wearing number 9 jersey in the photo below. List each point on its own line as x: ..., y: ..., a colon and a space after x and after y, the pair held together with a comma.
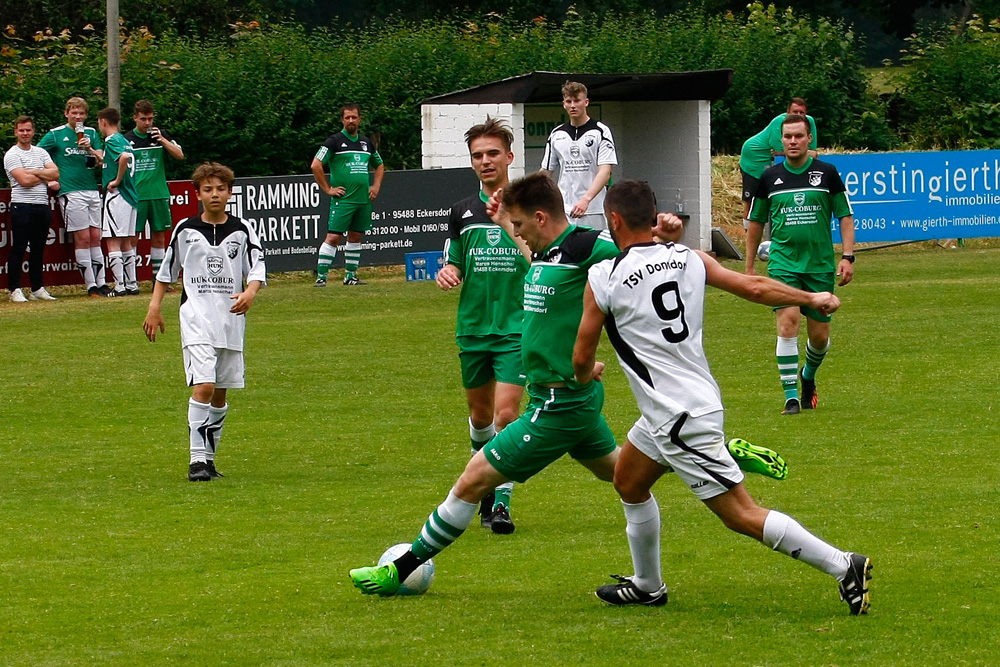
x: 651, y: 299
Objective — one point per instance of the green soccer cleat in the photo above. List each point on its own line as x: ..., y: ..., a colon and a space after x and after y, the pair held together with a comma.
x: 376, y: 580
x: 761, y: 460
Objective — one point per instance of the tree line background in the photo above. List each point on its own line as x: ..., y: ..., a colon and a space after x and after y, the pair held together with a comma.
x: 249, y: 84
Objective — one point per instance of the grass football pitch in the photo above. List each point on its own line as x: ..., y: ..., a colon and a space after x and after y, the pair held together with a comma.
x: 353, y: 427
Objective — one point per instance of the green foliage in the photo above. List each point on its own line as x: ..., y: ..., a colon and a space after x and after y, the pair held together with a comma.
x: 951, y: 86
x: 263, y: 98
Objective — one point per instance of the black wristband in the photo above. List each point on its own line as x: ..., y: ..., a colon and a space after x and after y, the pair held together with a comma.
x: 849, y: 258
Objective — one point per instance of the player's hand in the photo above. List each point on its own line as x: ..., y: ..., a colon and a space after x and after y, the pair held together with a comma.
x: 153, y: 321
x: 668, y: 227
x: 580, y: 208
x: 54, y: 186
x: 113, y: 185
x: 372, y: 192
x: 825, y: 303
x: 154, y: 134
x: 83, y: 143
x: 242, y: 304
x: 846, y: 272
x: 494, y: 206
x: 449, y: 277
x: 338, y: 191
x: 598, y: 371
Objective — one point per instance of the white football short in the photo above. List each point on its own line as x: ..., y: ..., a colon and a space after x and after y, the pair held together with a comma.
x: 592, y: 220
x: 695, y: 447
x: 219, y: 366
x: 119, y: 217
x: 81, y: 210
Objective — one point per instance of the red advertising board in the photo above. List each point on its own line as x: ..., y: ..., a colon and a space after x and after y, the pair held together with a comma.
x: 60, y: 266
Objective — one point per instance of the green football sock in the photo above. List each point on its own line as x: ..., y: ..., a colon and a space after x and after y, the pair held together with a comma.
x: 502, y: 495
x: 787, y: 353
x: 327, y: 253
x: 814, y: 358
x: 352, y: 258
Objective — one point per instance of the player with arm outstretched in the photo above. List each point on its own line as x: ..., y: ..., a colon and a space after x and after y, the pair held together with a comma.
x: 650, y: 299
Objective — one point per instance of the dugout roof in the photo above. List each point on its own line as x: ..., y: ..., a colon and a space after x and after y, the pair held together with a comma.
x: 546, y: 87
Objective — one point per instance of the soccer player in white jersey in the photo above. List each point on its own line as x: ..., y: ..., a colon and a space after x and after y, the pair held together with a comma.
x: 218, y: 254
x: 651, y: 301
x: 583, y: 152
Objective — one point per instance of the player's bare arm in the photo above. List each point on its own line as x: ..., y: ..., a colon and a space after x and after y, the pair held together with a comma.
x: 123, y: 161
x: 766, y: 291
x: 845, y: 269
x: 497, y: 213
x: 244, y: 299
x: 755, y: 232
x: 599, y: 183
x: 585, y: 364
x: 172, y: 149
x: 154, y: 318
x: 668, y: 228
x: 449, y: 277
x: 376, y: 185
x: 316, y: 166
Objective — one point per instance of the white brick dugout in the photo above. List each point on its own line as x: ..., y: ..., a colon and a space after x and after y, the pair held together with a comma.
x: 661, y: 124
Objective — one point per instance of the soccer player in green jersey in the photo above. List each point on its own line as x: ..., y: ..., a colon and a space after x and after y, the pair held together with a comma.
x: 490, y: 266
x: 759, y: 150
x: 350, y: 157
x: 798, y: 197
x: 120, y: 202
x: 76, y: 148
x: 149, y: 144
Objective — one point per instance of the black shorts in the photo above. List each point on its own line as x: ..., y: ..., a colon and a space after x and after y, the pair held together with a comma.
x: 750, y: 184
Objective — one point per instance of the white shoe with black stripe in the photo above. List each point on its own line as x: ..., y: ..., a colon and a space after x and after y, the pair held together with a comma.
x: 625, y: 592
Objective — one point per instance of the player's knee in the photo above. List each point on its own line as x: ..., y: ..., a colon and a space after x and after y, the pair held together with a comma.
x: 630, y: 489
x: 503, y: 416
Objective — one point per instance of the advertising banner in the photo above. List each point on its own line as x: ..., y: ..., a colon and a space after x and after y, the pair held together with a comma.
x: 290, y: 214
x: 921, y: 196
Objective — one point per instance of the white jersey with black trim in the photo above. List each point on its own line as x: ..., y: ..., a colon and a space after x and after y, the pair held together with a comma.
x: 654, y: 298
x: 215, y: 262
x: 577, y: 153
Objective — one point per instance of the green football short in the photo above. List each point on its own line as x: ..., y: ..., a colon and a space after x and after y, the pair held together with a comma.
x: 486, y: 358
x: 557, y: 422
x: 808, y: 282
x: 157, y: 212
x: 347, y: 216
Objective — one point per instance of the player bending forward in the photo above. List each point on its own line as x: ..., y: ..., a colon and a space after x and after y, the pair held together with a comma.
x: 216, y: 253
x: 563, y: 416
x: 651, y: 301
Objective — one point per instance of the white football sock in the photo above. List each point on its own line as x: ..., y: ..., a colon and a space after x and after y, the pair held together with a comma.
x: 128, y: 257
x: 456, y: 511
x: 97, y: 260
x: 216, y: 420
x: 198, y: 417
x: 82, y: 256
x: 480, y: 436
x: 785, y: 534
x: 117, y: 268
x: 643, y: 531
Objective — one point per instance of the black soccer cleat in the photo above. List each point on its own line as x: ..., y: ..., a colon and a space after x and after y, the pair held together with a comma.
x: 212, y: 471
x: 199, y: 472
x: 486, y: 509
x: 501, y: 523
x: 131, y: 291
x: 354, y: 281
x: 809, y: 396
x: 625, y: 592
x: 854, y: 587
x: 791, y: 407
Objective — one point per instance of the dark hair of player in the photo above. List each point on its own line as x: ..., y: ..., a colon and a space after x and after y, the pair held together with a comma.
x: 795, y: 118
x: 573, y: 88
x: 350, y: 106
x: 493, y: 127
x: 535, y: 192
x: 142, y: 106
x: 207, y: 170
x: 798, y: 100
x: 634, y: 202
x: 111, y: 116
x: 21, y: 120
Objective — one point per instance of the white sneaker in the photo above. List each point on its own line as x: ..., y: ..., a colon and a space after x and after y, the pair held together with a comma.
x: 40, y: 294
x: 17, y: 296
